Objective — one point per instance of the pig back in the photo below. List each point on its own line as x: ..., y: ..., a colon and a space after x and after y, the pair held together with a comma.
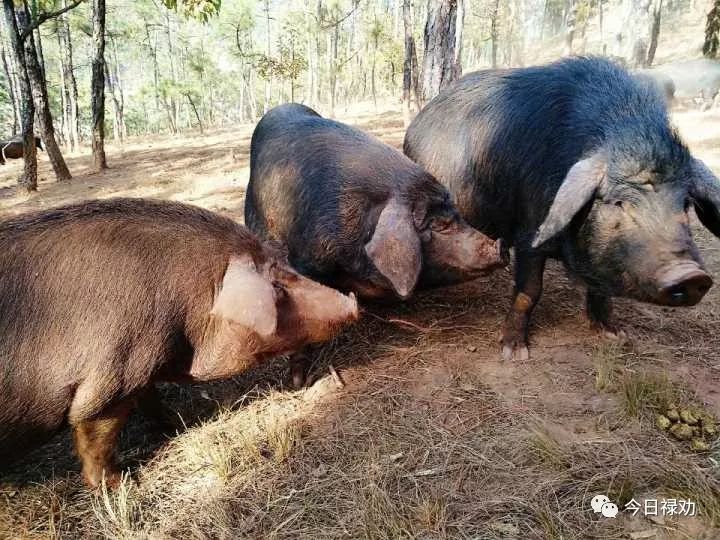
x: 317, y: 186
x: 106, y: 292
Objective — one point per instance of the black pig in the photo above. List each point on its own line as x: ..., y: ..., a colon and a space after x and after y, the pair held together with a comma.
x: 574, y: 160
x: 102, y: 299
x: 13, y: 148
x: 354, y: 212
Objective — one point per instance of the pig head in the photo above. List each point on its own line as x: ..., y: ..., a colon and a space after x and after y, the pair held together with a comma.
x: 624, y: 228
x: 425, y: 241
x: 263, y: 309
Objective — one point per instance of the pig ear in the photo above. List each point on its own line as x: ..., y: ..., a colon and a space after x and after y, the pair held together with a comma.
x: 247, y: 298
x: 395, y: 247
x: 578, y: 187
x: 705, y: 191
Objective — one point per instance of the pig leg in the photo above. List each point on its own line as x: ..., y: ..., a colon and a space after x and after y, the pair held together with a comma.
x: 529, y: 270
x: 300, y: 363
x: 95, y: 441
x: 599, y: 312
x: 152, y: 407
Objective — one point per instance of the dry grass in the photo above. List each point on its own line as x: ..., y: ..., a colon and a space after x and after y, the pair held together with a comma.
x: 432, y: 436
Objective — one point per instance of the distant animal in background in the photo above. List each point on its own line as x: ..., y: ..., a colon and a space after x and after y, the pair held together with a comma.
x: 13, y: 148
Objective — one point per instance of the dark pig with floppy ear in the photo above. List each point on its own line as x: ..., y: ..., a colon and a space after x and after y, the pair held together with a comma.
x: 355, y: 213
x: 577, y: 161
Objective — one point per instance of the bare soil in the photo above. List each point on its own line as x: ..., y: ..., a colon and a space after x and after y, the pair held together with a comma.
x: 430, y: 434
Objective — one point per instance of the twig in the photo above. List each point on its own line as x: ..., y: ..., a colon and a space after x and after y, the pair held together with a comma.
x: 46, y: 16
x: 338, y: 381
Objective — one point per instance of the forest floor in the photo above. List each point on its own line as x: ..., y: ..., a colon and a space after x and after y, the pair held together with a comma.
x: 430, y: 434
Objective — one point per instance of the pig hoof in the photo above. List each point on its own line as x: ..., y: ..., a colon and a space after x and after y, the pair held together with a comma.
x: 520, y: 353
x: 94, y: 480
x: 298, y: 379
x: 610, y: 332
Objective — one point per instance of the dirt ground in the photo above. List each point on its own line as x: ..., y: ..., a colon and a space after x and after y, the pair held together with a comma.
x: 428, y: 434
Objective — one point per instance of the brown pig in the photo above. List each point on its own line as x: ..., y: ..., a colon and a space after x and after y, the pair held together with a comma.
x: 100, y: 300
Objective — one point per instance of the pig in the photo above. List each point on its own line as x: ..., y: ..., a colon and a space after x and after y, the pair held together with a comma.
x: 355, y: 213
x: 696, y: 82
x: 102, y: 299
x: 13, y: 148
x: 576, y: 161
x: 664, y: 82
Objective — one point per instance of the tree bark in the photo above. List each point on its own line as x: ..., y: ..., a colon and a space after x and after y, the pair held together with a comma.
x: 494, y: 32
x: 69, y: 83
x: 98, y: 86
x: 268, y: 52
x: 10, y: 66
x: 643, y: 28
x: 119, y: 87
x: 28, y: 179
x: 11, y: 89
x: 117, y: 129
x: 570, y: 23
x: 174, y: 106
x: 410, y: 65
x: 156, y: 67
x: 711, y: 46
x: 654, y: 32
x: 441, y: 60
x: 40, y: 98
x: 197, y: 116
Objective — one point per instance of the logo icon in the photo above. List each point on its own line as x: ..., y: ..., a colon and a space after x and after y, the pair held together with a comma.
x: 597, y: 503
x: 609, y: 510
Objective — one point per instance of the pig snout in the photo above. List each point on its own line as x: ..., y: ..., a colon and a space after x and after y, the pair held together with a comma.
x: 319, y: 311
x: 682, y: 284
x: 480, y: 254
x: 503, y: 252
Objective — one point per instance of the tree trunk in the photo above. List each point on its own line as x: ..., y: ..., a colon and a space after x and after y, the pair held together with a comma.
x: 156, y: 67
x: 29, y: 177
x: 69, y: 90
x: 117, y: 135
x: 98, y: 85
x: 570, y: 22
x: 334, y: 68
x: 120, y: 91
x: 654, y: 32
x: 197, y: 116
x: 318, y: 34
x: 10, y: 66
x: 268, y: 52
x: 711, y: 46
x: 460, y: 25
x: 410, y: 67
x: 38, y: 41
x: 643, y: 27
x: 11, y: 90
x: 494, y: 32
x: 440, y: 64
x: 40, y: 97
x: 376, y: 38
x: 174, y: 105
